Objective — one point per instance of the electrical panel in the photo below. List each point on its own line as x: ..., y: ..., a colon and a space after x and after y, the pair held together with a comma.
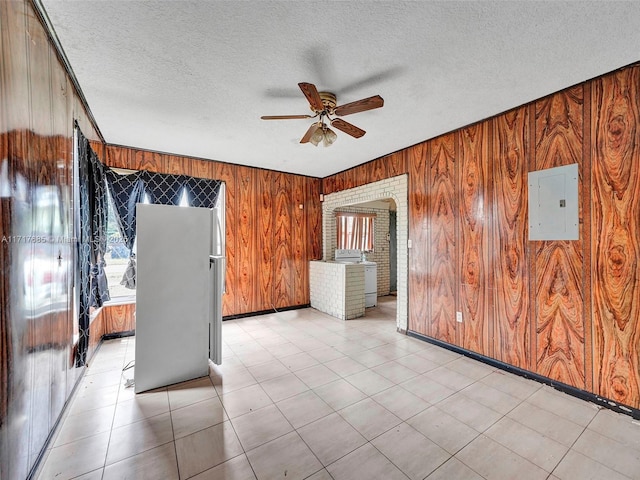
x: 553, y: 204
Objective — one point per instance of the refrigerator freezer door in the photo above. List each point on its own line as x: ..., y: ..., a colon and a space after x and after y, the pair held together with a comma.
x: 173, y: 295
x: 216, y: 273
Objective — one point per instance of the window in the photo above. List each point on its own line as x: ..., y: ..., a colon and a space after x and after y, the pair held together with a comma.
x: 355, y: 230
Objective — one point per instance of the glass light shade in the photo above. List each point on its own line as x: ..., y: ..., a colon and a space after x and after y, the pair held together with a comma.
x: 317, y: 136
x: 329, y: 137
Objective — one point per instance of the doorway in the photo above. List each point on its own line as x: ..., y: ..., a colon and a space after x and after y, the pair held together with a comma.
x: 394, y: 188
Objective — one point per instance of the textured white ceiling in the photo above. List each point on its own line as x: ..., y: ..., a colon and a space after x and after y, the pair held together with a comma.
x: 194, y: 77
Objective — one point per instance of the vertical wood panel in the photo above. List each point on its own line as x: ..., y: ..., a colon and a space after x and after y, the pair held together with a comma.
x: 557, y: 273
x: 442, y: 213
x: 282, y: 274
x: 314, y: 219
x: 246, y: 240
x: 474, y: 270
x: 616, y: 232
x: 299, y: 242
x: 226, y: 173
x: 265, y: 262
x: 419, y: 234
x: 512, y: 342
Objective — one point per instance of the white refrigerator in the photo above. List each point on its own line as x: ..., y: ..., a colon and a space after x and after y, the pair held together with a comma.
x: 180, y: 280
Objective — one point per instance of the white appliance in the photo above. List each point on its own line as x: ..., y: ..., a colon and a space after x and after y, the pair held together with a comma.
x: 180, y: 277
x: 346, y: 255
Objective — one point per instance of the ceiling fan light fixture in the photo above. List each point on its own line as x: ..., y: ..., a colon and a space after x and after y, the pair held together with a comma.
x: 329, y: 137
x: 318, y: 135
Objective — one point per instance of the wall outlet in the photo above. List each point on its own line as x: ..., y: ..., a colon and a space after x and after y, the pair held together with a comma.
x: 459, y: 317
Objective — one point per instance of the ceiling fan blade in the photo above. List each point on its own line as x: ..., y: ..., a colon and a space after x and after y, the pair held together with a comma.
x: 284, y: 117
x: 311, y: 92
x: 360, y: 106
x: 346, y: 127
x: 307, y: 136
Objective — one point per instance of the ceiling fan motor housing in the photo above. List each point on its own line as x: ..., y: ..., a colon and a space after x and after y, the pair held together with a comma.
x: 329, y: 102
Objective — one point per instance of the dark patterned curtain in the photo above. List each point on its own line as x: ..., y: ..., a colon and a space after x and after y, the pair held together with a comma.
x: 164, y: 189
x: 98, y: 209
x: 84, y: 249
x: 202, y: 192
x: 126, y: 191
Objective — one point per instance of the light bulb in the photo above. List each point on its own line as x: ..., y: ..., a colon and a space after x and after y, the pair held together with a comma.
x: 317, y: 136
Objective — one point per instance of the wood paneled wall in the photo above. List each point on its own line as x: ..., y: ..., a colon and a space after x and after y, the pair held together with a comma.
x: 567, y: 310
x: 274, y: 227
x: 38, y: 106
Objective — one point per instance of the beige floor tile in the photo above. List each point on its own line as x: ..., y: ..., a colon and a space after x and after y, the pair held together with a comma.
x: 439, y: 355
x: 365, y: 463
x: 615, y: 455
x: 417, y: 363
x: 369, y: 358
x: 395, y: 372
x: 619, y: 427
x: 454, y: 469
x: 238, y: 468
x: 564, y: 405
x: 443, y: 429
x: 135, y: 438
x: 391, y: 351
x: 427, y: 389
x: 369, y: 418
x: 411, y: 451
x: 474, y: 414
x: 76, y: 458
x: 331, y: 437
x: 449, y: 378
x: 159, y: 462
x: 544, y: 422
x: 369, y: 382
x: 228, y: 381
x: 85, y: 424
x: 528, y: 443
x: 491, y: 397
x: 255, y: 358
x: 95, y: 475
x: 283, y: 387
x: 326, y: 354
x: 577, y: 466
x: 286, y: 458
x: 142, y: 405
x: 260, y: 426
x: 345, y: 366
x: 190, y: 392
x: 285, y: 350
x: 298, y: 361
x: 515, y: 386
x: 207, y: 448
x: 245, y: 400
x: 495, y: 462
x: 316, y: 375
x: 339, y: 394
x: 401, y: 402
x: 471, y: 368
x: 201, y: 415
x: 268, y: 370
x: 89, y: 398
x: 304, y: 408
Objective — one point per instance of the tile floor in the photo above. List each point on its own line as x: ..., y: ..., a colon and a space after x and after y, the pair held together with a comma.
x: 303, y: 395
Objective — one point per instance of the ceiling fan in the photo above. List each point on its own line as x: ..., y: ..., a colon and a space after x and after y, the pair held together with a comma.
x: 324, y: 106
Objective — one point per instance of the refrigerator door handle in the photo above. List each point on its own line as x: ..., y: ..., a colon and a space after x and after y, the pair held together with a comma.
x: 216, y: 269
